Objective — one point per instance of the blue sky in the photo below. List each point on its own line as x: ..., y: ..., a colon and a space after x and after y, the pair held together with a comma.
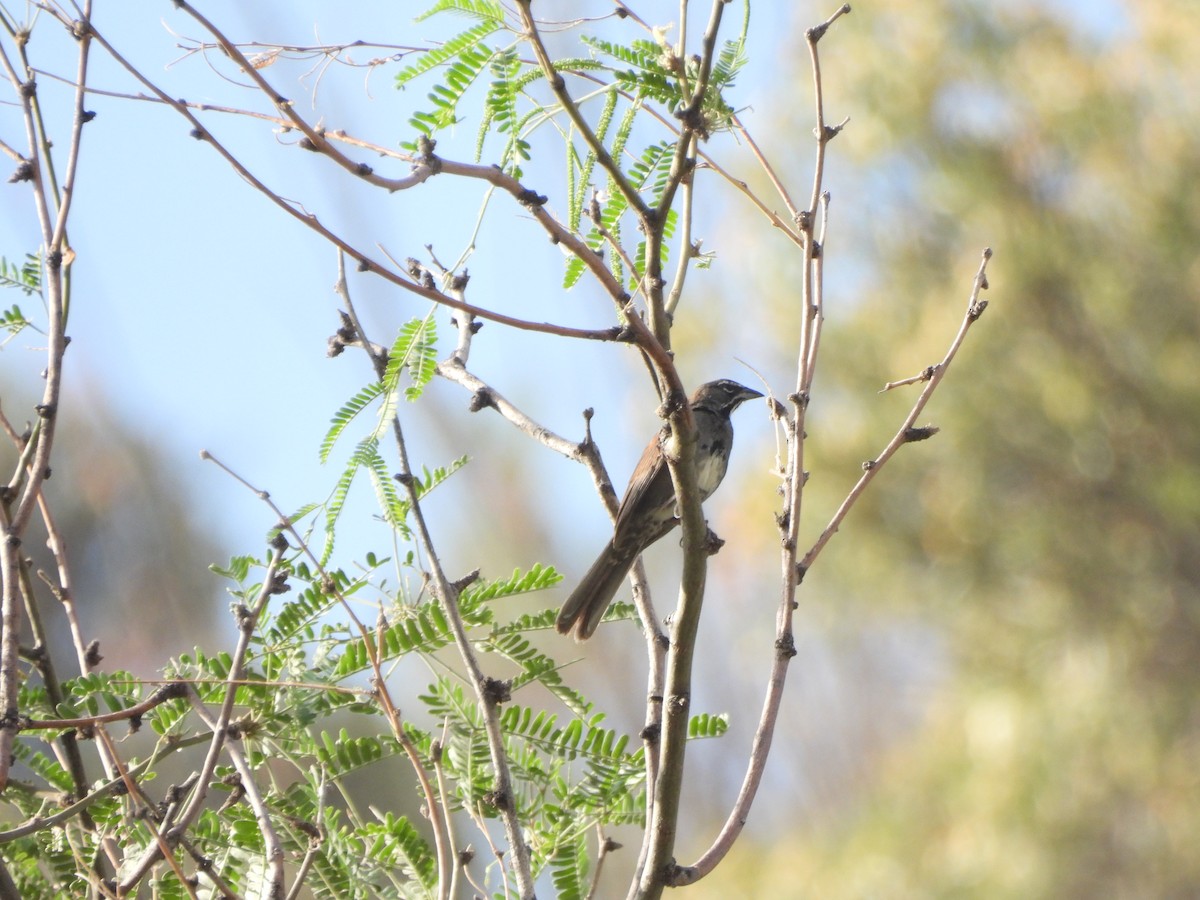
x: 201, y: 312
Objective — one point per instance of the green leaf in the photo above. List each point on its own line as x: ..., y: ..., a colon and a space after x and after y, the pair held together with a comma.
x: 476, y: 9
x: 423, y: 630
x: 366, y: 455
x: 395, y: 842
x: 458, y: 45
x: 653, y: 168
x: 650, y: 80
x: 345, y: 415
x: 732, y: 57
x: 26, y: 278
x: 431, y: 478
x: 579, y: 184
x: 538, y: 668
x: 468, y: 63
x: 538, y: 578
x: 414, y: 351
x: 569, y: 867
x: 295, y: 517
x: 43, y: 766
x: 347, y: 754
x: 707, y: 726
x: 500, y: 110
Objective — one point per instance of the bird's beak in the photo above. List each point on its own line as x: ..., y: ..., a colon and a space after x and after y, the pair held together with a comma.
x: 747, y: 394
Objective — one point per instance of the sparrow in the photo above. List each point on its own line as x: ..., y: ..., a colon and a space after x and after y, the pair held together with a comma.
x: 648, y: 511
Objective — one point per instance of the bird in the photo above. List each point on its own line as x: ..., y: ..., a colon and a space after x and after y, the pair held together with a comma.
x: 648, y: 510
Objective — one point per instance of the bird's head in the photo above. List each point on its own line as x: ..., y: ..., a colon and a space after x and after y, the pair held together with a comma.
x: 723, y: 395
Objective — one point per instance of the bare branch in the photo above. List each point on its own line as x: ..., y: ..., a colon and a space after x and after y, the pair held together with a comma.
x: 811, y: 298
x: 34, y: 467
x: 272, y: 847
x: 905, y: 434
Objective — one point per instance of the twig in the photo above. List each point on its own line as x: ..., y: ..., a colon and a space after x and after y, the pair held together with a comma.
x: 907, y: 433
x: 33, y: 466
x: 316, y: 137
x: 559, y: 86
x: 488, y: 692
x: 274, y: 582
x: 10, y: 622
x: 444, y: 794
x: 605, y: 846
x: 316, y: 840
x: 426, y: 164
x: 56, y: 291
x: 824, y: 133
x: 113, y: 785
x: 161, y: 847
x: 925, y: 375
x: 687, y: 250
x: 171, y: 691
x: 683, y: 163
x: 811, y: 297
x: 705, y: 160
x: 272, y: 848
x: 817, y: 312
x: 443, y: 837
x: 381, y: 693
x: 691, y: 122
x: 784, y: 651
x: 484, y: 396
x: 766, y: 166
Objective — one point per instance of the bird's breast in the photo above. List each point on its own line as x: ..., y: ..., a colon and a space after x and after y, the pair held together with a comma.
x: 711, y: 462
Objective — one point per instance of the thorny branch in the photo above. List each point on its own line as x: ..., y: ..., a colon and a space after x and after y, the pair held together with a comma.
x: 53, y: 206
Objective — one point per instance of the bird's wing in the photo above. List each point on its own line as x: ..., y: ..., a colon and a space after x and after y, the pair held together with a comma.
x: 650, y: 487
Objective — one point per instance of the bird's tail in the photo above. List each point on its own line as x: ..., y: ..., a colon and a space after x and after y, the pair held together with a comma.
x: 587, y: 604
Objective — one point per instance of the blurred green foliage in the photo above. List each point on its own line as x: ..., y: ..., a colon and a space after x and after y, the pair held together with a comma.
x: 1051, y: 528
